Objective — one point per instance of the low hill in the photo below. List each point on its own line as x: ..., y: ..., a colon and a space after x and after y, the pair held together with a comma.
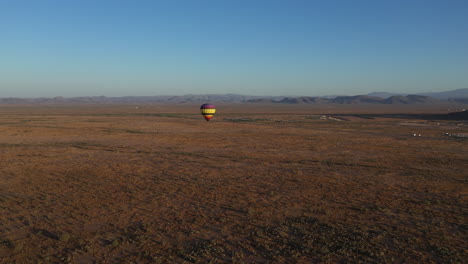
x: 337, y: 100
x: 306, y: 100
x: 410, y: 99
x: 356, y: 99
x: 384, y: 94
x: 261, y: 100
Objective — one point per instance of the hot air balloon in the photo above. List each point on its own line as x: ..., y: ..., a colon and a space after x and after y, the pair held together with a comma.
x: 207, y: 110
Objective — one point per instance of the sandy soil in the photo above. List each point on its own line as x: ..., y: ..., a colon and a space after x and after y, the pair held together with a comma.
x: 257, y: 184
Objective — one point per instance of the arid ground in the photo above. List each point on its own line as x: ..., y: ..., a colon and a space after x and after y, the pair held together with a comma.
x: 257, y: 184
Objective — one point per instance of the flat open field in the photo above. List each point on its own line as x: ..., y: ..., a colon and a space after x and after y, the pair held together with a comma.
x: 257, y: 184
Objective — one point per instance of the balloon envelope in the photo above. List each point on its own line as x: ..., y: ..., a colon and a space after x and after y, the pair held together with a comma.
x: 207, y: 110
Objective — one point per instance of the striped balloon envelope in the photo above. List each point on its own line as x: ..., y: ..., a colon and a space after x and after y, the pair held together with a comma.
x: 207, y: 110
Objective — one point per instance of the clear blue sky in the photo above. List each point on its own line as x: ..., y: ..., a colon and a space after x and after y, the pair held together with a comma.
x: 255, y: 47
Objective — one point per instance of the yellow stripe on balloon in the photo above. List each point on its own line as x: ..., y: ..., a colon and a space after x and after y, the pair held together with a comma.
x: 208, y: 111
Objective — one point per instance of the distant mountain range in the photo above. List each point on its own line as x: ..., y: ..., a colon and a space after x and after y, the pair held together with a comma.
x: 459, y: 93
x: 455, y: 96
x: 358, y: 99
x: 228, y: 98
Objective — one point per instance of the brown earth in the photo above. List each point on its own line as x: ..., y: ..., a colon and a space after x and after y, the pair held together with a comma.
x: 257, y: 184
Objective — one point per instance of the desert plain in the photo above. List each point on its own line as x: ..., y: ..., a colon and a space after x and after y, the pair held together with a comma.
x: 260, y: 183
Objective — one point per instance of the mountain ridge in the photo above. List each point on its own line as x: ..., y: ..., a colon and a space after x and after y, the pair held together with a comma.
x: 357, y: 99
x: 444, y: 95
x: 453, y: 96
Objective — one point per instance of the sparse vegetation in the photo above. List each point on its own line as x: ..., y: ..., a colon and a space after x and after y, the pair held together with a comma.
x: 100, y: 185
x: 246, y: 119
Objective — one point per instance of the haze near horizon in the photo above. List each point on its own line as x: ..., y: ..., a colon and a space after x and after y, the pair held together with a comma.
x: 311, y: 48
